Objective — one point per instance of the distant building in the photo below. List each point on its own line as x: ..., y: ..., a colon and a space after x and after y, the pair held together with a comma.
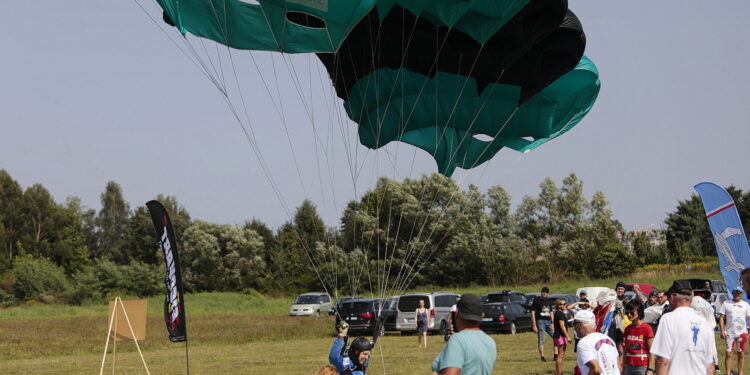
x: 655, y: 237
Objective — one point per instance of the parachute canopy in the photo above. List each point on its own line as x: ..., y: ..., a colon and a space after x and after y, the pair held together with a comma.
x: 459, y: 79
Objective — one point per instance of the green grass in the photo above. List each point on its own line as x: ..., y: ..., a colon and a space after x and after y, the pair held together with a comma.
x: 396, y: 354
x: 233, y: 333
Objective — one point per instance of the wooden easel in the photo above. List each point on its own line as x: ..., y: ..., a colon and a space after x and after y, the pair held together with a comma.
x: 113, y: 320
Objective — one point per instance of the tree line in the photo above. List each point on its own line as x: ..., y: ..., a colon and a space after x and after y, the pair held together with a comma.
x: 398, y: 235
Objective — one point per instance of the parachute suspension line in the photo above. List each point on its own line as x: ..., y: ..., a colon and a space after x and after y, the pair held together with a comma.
x: 171, y: 39
x: 296, y: 80
x: 264, y: 166
x: 402, y: 130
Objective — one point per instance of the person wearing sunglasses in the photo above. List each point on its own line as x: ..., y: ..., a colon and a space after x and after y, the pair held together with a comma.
x: 733, y: 322
x: 561, y: 338
x: 636, y: 344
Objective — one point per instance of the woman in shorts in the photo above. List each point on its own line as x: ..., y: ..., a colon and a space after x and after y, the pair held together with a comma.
x: 561, y: 337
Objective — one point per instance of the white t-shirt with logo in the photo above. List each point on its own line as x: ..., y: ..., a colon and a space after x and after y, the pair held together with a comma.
x: 599, y: 347
x: 735, y: 317
x: 685, y: 339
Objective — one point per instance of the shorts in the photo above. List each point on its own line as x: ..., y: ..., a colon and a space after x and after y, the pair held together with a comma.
x: 560, y: 341
x: 634, y: 370
x: 732, y: 343
x: 543, y: 326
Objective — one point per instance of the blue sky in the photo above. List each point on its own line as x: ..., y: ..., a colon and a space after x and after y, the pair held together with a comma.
x: 94, y: 91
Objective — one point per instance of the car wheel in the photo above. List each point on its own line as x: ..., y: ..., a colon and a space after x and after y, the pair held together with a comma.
x: 443, y: 327
x: 512, y: 328
x: 381, y: 332
x: 317, y: 313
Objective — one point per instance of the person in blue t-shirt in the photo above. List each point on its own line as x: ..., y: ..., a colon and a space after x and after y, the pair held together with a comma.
x: 356, y: 358
x: 470, y: 351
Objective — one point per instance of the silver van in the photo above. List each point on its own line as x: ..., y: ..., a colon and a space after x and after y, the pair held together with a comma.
x: 438, y: 307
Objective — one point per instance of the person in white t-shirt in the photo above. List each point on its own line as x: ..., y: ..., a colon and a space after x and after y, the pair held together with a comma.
x: 684, y: 343
x: 733, y: 321
x: 597, y: 353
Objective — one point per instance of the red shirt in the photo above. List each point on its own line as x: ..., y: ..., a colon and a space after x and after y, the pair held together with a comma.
x: 636, y: 344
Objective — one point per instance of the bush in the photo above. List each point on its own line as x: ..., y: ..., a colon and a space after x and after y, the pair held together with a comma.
x: 612, y: 261
x: 35, y: 277
x: 107, y: 279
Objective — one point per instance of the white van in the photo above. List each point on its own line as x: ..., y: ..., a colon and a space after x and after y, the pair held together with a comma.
x: 438, y: 307
x: 591, y: 293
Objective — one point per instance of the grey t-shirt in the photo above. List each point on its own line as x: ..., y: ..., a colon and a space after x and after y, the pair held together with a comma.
x: 470, y: 350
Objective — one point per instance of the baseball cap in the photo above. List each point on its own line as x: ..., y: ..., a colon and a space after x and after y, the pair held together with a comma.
x: 620, y: 284
x: 545, y: 289
x: 584, y: 316
x: 470, y: 307
x: 738, y: 289
x: 681, y: 287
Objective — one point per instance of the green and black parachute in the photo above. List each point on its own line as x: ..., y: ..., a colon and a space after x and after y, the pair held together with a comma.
x: 460, y: 79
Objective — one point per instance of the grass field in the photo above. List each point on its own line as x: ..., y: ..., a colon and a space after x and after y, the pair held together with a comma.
x: 233, y: 333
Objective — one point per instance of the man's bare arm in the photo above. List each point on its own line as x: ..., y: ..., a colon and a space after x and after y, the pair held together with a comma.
x: 662, y: 366
x: 594, y: 368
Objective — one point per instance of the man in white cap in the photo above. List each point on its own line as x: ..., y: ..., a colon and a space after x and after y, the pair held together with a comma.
x: 733, y: 321
x: 597, y: 353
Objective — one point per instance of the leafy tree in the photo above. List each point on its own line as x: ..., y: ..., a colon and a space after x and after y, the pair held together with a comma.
x: 498, y: 201
x: 11, y: 202
x: 613, y: 260
x: 688, y: 233
x: 112, y: 224
x: 36, y: 277
x: 39, y: 213
x: 221, y: 257
x: 140, y: 238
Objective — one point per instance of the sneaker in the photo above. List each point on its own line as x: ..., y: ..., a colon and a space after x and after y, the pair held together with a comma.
x: 732, y: 372
x: 544, y: 359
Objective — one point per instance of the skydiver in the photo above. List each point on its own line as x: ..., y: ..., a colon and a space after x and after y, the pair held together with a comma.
x: 357, y: 356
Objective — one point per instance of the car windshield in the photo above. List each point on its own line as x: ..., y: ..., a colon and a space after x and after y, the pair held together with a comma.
x: 306, y: 299
x: 497, y: 297
x: 493, y: 309
x: 410, y: 303
x: 355, y: 307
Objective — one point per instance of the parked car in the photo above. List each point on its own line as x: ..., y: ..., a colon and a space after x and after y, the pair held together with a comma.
x: 309, y: 304
x: 438, y: 305
x: 339, y: 302
x: 719, y: 295
x: 568, y: 298
x: 505, y: 296
x: 360, y: 314
x: 529, y: 299
x: 508, y: 317
x: 389, y: 314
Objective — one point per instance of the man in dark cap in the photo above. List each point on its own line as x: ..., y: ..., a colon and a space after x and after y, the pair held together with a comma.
x: 620, y: 290
x: 541, y: 320
x: 470, y: 351
x: 684, y: 342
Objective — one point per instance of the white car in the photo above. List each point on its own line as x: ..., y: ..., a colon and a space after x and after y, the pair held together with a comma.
x: 311, y: 304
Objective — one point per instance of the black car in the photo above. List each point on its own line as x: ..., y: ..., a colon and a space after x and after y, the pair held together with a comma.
x: 360, y: 314
x: 568, y: 298
x: 389, y: 314
x: 505, y: 317
x: 339, y: 302
x: 505, y: 296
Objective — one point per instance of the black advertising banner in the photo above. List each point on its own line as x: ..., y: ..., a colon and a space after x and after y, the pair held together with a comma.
x: 174, y: 308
